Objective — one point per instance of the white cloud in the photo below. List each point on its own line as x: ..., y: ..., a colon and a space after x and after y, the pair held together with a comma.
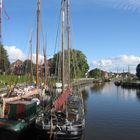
x: 119, y: 62
x: 132, y: 5
x: 127, y: 59
x: 105, y: 62
x: 102, y: 63
x: 40, y: 58
x: 14, y: 53
x: 94, y: 62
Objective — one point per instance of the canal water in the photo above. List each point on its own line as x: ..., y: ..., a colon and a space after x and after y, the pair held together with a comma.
x: 112, y: 113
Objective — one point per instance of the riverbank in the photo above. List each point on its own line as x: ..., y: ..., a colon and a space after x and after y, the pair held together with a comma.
x: 131, y: 84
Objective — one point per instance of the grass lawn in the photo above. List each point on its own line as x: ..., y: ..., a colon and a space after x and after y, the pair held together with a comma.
x: 12, y: 79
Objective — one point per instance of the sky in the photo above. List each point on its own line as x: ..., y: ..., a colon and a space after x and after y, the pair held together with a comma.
x: 106, y: 31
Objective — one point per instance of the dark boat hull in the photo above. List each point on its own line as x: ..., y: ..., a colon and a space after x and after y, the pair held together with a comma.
x: 8, y: 135
x: 117, y: 83
x: 59, y: 135
x: 65, y: 132
x: 14, y: 133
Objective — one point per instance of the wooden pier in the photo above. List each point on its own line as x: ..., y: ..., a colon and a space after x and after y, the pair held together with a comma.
x: 82, y: 81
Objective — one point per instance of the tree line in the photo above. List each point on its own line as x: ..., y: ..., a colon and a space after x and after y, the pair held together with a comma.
x: 78, y: 64
x: 4, y: 61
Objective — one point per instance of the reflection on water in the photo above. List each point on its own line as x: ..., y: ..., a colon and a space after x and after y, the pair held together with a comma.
x: 85, y: 95
x: 97, y: 87
x: 112, y: 113
x: 138, y: 94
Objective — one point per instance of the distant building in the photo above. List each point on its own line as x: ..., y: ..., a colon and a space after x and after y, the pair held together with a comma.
x: 17, y: 67
x: 106, y: 75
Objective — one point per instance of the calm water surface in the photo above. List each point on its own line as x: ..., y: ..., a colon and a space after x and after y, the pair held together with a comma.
x: 112, y: 113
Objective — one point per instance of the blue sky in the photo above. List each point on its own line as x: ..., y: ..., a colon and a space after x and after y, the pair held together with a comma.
x: 106, y: 31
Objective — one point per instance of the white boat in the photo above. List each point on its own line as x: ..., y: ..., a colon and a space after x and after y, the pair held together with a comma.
x: 58, y: 85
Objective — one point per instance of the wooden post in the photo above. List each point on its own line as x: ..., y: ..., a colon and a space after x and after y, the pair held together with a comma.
x: 37, y: 40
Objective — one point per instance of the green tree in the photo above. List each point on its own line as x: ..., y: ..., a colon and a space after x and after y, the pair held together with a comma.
x: 4, y: 61
x: 78, y: 63
x: 138, y: 71
x: 28, y: 66
x: 95, y: 73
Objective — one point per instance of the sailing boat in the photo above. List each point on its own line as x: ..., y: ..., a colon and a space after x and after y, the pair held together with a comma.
x: 18, y: 112
x: 64, y: 119
x: 118, y: 82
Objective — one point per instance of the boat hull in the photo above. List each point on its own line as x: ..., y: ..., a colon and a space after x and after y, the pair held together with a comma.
x: 65, y: 132
x: 117, y: 83
x: 59, y: 135
x: 15, y: 129
x: 8, y: 135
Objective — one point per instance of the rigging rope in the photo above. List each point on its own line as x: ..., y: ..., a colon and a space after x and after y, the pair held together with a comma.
x: 7, y: 16
x: 57, y: 33
x: 57, y: 65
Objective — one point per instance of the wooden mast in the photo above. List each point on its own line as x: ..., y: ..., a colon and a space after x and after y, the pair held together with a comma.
x: 62, y: 34
x: 0, y: 22
x: 37, y: 40
x: 68, y: 39
x: 45, y: 67
x: 31, y: 73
